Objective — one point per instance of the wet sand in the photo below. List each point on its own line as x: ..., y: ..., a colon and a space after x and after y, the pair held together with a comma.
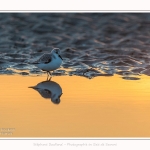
x: 88, y: 108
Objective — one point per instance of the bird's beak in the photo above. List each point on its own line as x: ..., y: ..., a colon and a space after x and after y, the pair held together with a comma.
x: 60, y: 95
x: 60, y: 57
x: 33, y: 87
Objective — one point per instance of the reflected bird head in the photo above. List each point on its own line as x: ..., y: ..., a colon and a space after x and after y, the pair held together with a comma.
x: 56, y: 99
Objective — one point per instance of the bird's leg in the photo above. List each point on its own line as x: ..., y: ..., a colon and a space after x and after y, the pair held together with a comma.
x: 50, y: 79
x: 50, y: 73
x: 47, y: 75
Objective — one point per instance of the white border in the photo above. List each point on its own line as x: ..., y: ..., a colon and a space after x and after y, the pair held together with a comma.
x: 75, y: 11
x: 46, y: 144
x: 71, y: 6
x: 74, y: 5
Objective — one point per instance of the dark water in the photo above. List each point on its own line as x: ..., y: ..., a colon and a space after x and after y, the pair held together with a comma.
x: 92, y: 44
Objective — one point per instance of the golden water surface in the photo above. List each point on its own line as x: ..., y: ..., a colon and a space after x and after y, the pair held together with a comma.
x: 100, y: 107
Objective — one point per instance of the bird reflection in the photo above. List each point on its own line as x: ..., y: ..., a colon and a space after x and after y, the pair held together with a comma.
x: 49, y: 89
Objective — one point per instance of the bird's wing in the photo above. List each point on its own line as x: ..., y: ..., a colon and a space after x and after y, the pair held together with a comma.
x: 45, y: 93
x: 45, y: 58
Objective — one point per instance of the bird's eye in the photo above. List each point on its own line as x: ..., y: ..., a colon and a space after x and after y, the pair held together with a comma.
x: 56, y: 52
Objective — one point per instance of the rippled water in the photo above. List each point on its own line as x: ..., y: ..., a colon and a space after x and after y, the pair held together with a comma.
x: 92, y: 44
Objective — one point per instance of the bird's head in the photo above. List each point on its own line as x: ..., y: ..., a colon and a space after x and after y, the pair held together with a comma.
x: 56, y: 51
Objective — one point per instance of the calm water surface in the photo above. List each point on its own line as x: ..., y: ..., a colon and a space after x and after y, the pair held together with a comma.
x: 100, y: 107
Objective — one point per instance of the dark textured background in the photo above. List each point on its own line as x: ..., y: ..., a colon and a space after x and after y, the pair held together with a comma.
x: 92, y: 44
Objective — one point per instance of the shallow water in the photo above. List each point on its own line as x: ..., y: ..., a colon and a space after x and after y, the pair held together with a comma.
x: 92, y: 44
x: 100, y: 107
x: 103, y: 83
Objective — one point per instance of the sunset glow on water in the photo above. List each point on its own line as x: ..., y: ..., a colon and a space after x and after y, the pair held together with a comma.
x: 100, y: 107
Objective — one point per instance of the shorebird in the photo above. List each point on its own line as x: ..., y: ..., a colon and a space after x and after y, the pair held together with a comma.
x: 49, y: 62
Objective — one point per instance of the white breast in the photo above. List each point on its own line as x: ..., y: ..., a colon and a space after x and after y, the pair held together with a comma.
x: 53, y: 65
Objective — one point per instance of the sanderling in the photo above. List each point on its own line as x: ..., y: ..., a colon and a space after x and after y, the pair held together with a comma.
x: 49, y: 62
x: 49, y: 89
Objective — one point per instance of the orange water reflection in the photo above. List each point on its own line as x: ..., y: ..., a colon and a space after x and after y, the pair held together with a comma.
x: 100, y: 107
